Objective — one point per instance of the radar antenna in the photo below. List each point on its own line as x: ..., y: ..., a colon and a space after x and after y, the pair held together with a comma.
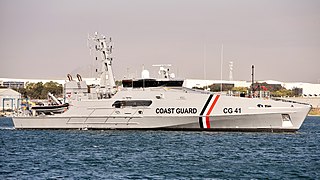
x: 104, y: 46
x: 164, y: 71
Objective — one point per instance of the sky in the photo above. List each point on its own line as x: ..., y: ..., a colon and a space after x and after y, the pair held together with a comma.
x: 46, y: 39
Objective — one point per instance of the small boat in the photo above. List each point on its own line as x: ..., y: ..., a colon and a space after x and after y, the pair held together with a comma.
x: 56, y: 107
x: 50, y: 109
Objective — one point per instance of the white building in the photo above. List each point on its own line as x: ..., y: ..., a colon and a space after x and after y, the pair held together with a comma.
x: 308, y: 89
x: 9, y: 99
x: 190, y: 83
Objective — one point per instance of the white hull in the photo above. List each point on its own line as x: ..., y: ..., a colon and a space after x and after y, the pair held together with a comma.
x: 251, y: 119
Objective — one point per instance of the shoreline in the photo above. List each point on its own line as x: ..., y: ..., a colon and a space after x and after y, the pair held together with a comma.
x: 312, y: 115
x: 314, y: 112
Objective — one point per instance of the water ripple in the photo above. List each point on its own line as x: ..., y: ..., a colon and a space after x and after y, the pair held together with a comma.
x: 62, y: 154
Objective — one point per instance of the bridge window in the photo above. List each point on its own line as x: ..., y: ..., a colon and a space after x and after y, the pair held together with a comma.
x: 131, y: 103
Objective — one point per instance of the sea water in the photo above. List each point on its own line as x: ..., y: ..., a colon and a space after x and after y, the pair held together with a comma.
x: 114, y: 154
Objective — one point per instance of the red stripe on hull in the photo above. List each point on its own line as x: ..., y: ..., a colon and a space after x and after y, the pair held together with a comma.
x: 209, y: 112
x: 208, y: 121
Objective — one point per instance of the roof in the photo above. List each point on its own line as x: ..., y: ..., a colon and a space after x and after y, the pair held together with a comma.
x: 271, y: 82
x: 7, y: 91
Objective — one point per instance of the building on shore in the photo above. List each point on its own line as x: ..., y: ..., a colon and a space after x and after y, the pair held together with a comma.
x: 307, y: 89
x: 10, y: 100
x: 22, y: 83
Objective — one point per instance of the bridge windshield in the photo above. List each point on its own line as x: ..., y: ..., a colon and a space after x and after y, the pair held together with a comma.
x: 145, y: 83
x: 131, y: 103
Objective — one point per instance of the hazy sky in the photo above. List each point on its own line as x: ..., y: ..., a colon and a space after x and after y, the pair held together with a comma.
x: 47, y: 39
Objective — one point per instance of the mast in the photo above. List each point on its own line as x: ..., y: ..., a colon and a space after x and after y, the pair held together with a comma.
x: 221, y: 64
x: 252, y: 80
x: 104, y: 46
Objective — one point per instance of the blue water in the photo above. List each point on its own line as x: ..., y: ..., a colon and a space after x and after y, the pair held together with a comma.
x: 72, y: 154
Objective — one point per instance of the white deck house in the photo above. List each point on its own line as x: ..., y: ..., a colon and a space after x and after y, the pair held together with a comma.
x: 9, y: 99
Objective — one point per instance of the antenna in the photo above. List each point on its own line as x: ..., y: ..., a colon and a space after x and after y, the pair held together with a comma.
x: 252, y: 79
x: 204, y: 64
x: 230, y: 71
x: 90, y: 52
x: 221, y: 63
x: 88, y: 44
x: 163, y: 70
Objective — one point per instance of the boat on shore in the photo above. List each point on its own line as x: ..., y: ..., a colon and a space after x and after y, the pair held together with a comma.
x: 162, y: 103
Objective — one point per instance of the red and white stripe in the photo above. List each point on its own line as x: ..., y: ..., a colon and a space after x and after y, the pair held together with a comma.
x: 208, y: 109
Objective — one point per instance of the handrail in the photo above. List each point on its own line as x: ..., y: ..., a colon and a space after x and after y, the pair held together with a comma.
x: 290, y: 101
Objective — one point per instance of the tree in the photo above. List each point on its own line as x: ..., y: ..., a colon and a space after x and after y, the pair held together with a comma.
x: 200, y: 88
x: 52, y: 87
x: 240, y: 89
x: 34, y: 90
x: 217, y: 87
x: 22, y: 91
x: 40, y: 90
x: 282, y: 93
x: 269, y: 87
x: 118, y: 83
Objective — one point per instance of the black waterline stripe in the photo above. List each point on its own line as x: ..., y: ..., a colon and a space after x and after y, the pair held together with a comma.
x: 200, y: 122
x: 205, y: 106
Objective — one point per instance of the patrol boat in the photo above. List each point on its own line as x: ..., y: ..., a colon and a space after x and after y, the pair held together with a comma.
x: 160, y: 104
